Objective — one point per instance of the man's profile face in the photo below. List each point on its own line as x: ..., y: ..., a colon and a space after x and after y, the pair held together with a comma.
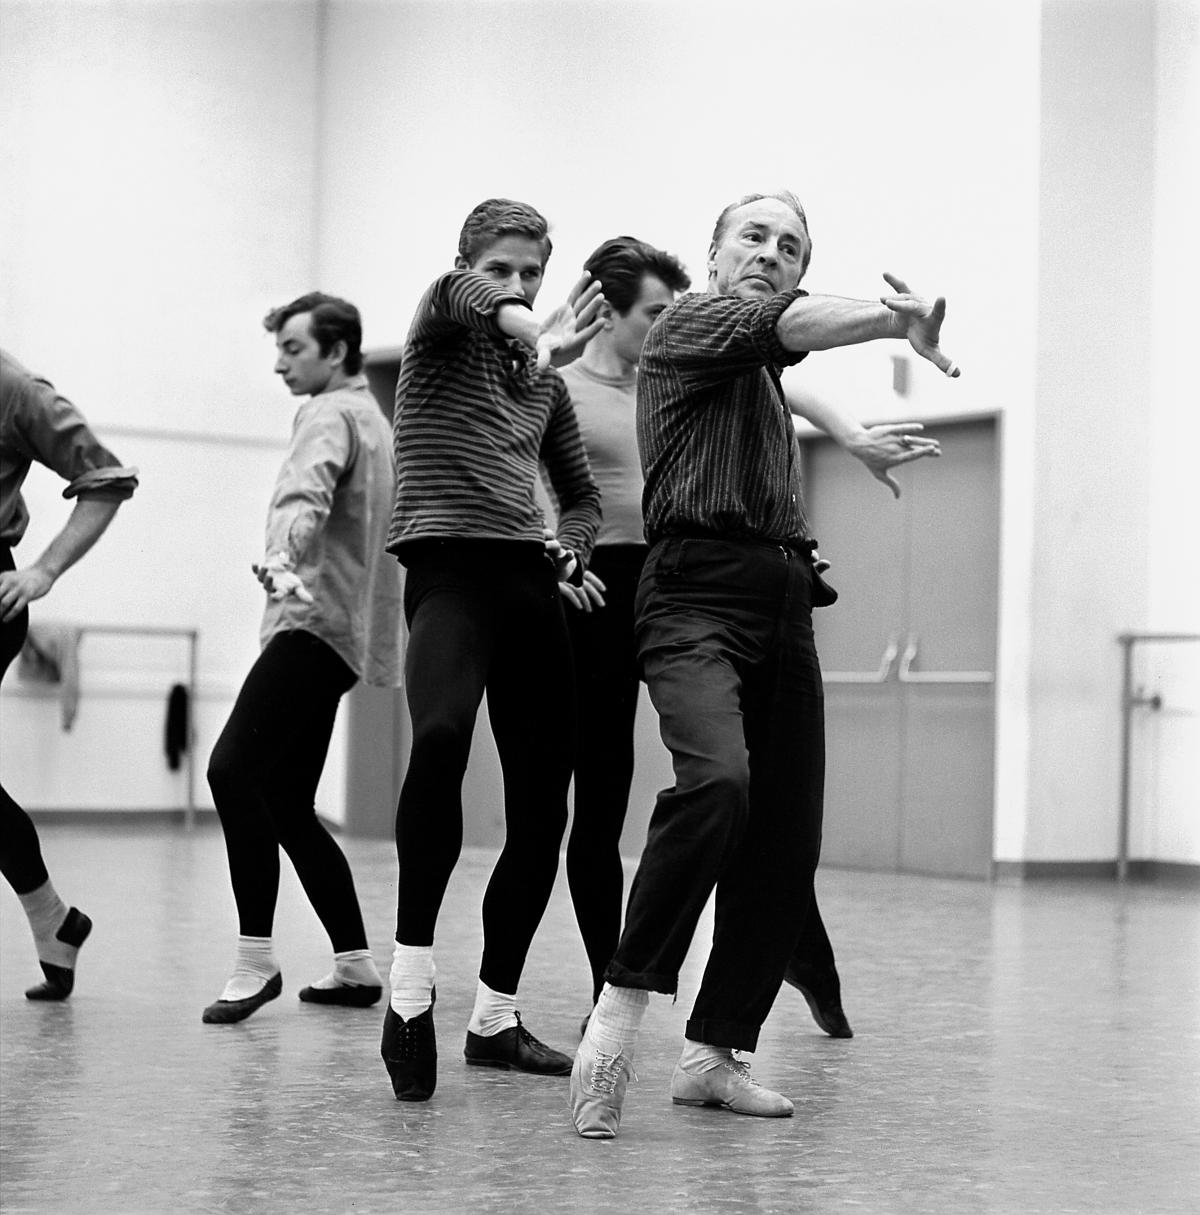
x: 304, y: 369
x: 629, y: 331
x: 516, y: 262
x: 761, y: 251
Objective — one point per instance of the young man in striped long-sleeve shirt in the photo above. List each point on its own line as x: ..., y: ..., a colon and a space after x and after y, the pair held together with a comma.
x: 478, y: 411
x: 724, y: 631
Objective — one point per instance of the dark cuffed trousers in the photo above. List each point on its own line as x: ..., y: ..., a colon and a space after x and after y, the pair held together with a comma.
x: 724, y: 632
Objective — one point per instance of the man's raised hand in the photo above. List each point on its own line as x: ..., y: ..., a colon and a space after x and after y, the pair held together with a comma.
x: 584, y: 303
x: 922, y: 322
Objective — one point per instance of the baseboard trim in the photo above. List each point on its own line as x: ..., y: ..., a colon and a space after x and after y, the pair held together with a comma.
x: 1180, y: 872
x: 202, y: 816
x: 1183, y: 873
x: 67, y: 816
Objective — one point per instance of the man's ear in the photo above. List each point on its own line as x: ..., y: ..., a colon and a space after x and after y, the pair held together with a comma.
x: 460, y: 263
x: 338, y: 352
x: 607, y: 312
x: 712, y: 258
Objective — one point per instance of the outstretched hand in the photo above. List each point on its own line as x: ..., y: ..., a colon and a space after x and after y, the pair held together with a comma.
x: 881, y: 448
x: 921, y: 321
x: 568, y: 329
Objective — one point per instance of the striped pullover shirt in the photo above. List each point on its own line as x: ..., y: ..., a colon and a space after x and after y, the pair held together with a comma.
x: 474, y: 420
x: 715, y: 435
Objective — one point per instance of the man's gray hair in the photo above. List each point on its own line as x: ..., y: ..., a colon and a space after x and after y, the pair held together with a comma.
x: 787, y: 198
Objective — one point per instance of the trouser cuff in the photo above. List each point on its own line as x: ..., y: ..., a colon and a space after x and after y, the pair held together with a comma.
x: 733, y: 1035
x: 642, y: 980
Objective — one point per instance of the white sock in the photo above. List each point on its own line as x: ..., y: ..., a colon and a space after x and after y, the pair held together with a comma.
x: 46, y: 913
x: 494, y: 1011
x: 254, y: 966
x: 615, y: 1021
x: 699, y: 1057
x: 351, y: 968
x: 412, y: 978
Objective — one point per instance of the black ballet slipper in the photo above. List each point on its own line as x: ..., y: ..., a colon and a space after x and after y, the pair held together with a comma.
x: 348, y: 995
x: 226, y: 1012
x: 409, y: 1050
x: 60, y: 980
x: 822, y: 992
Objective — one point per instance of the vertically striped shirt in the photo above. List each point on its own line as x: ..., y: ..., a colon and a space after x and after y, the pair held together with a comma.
x: 474, y: 419
x: 714, y: 432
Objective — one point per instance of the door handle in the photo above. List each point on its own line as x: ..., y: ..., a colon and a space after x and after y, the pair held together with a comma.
x: 877, y: 676
x: 907, y: 675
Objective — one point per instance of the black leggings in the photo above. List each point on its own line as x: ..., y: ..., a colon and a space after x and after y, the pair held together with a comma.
x: 263, y: 774
x: 20, y: 853
x: 607, y: 687
x: 484, y: 616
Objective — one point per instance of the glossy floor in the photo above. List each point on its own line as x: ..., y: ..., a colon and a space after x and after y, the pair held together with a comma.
x: 1018, y: 1049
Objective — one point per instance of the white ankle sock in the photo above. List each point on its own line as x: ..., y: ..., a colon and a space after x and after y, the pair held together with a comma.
x: 46, y: 913
x: 615, y: 1021
x: 412, y: 978
x: 351, y: 968
x: 494, y: 1011
x: 699, y: 1057
x: 255, y: 964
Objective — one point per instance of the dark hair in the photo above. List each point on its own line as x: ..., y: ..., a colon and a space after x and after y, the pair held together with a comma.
x: 333, y: 320
x: 784, y: 196
x: 496, y: 217
x: 621, y: 263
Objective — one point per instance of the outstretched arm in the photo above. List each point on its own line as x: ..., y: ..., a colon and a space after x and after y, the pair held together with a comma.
x: 880, y: 448
x: 84, y: 526
x: 822, y: 322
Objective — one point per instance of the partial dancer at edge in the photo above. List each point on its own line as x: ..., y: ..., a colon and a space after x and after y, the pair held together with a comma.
x: 37, y: 424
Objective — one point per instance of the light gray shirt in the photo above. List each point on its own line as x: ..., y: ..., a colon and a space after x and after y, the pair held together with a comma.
x: 329, y: 513
x: 605, y: 408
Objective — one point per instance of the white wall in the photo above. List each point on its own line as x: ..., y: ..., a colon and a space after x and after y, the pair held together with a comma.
x: 1166, y: 746
x: 649, y: 115
x: 163, y: 156
x: 1106, y: 393
x: 184, y: 166
x: 911, y: 132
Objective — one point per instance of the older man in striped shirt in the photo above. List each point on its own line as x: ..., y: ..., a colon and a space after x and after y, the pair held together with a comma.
x: 724, y: 630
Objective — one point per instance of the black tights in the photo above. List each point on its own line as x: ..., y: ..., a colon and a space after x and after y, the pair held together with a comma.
x: 20, y: 852
x: 263, y: 774
x: 607, y: 688
x: 484, y: 616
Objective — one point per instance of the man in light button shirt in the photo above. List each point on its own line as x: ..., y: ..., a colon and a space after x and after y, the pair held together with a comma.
x: 332, y: 618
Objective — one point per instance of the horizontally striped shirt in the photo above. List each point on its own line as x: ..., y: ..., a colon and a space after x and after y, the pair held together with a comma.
x: 714, y: 432
x: 474, y: 419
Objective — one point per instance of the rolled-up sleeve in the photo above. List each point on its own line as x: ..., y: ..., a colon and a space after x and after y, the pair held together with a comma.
x: 46, y: 427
